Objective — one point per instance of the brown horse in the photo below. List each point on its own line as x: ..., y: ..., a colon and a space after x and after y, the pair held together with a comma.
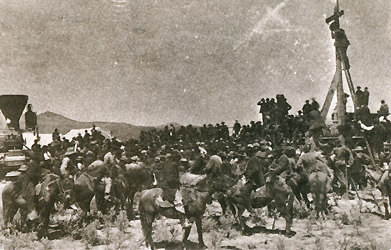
x: 320, y: 185
x: 274, y: 193
x: 194, y: 198
x: 137, y: 178
x: 383, y: 183
x: 19, y: 196
x: 89, y: 184
x: 299, y: 185
x: 51, y: 190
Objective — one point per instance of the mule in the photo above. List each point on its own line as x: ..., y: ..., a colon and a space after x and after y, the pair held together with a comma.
x: 194, y: 198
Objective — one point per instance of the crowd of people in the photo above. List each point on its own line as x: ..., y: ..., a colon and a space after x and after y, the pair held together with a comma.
x: 282, y: 144
x: 278, y: 129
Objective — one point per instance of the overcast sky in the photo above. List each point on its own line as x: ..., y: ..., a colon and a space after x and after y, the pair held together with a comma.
x: 153, y: 62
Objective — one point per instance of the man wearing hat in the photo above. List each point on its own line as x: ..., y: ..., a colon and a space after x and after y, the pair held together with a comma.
x: 23, y: 168
x: 341, y: 43
x: 184, y: 163
x: 167, y: 178
x: 67, y: 167
x: 110, y: 157
x: 359, y: 101
x: 237, y: 128
x: 284, y: 161
x: 341, y: 159
x: 357, y: 170
x: 311, y: 161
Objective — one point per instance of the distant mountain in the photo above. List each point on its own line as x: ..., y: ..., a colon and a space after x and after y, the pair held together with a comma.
x: 48, y: 121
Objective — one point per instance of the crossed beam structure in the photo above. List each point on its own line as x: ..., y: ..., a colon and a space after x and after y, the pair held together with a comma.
x: 337, y: 84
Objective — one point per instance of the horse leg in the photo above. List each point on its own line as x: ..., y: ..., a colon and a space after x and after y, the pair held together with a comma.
x: 100, y: 202
x: 318, y: 206
x: 288, y: 212
x: 242, y: 223
x: 148, y: 231
x: 389, y: 201
x: 199, y: 232
x: 231, y: 207
x: 297, y: 194
x: 223, y: 204
x: 387, y: 212
x: 43, y: 230
x: 304, y: 194
x: 325, y: 207
x: 186, y: 235
x: 23, y: 220
x: 85, y: 208
x: 129, y: 205
x: 9, y: 212
x: 274, y: 220
x: 146, y: 224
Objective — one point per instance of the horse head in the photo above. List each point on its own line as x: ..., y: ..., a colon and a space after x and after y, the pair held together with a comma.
x: 107, y: 182
x: 66, y: 187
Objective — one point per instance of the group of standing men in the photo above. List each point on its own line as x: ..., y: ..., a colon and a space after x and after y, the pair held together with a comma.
x: 362, y: 97
x: 274, y: 111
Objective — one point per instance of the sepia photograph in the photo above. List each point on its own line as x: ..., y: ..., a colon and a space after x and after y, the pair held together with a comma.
x: 210, y: 124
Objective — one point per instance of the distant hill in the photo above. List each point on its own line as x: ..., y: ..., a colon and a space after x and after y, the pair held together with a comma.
x: 48, y: 121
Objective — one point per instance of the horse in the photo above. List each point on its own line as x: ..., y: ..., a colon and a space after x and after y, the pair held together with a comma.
x: 115, y: 192
x: 49, y: 191
x: 195, y: 192
x: 320, y: 185
x: 89, y: 184
x: 383, y: 183
x: 275, y: 192
x: 137, y: 178
x: 299, y: 185
x: 19, y: 196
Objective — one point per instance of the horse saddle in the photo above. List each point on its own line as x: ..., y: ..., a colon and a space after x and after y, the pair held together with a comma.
x: 163, y: 203
x: 260, y: 192
x: 85, y: 179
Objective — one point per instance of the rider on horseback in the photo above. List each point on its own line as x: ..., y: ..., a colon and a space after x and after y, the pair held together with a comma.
x: 68, y: 164
x: 167, y: 178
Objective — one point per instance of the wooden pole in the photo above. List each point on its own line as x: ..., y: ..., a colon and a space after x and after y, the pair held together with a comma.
x: 340, y: 92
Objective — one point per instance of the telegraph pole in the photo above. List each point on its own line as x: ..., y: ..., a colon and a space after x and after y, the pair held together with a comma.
x: 337, y: 83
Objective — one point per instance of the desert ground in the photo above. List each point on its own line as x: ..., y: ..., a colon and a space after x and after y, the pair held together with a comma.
x: 352, y: 224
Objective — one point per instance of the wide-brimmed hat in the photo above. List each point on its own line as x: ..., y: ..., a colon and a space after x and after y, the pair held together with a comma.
x: 23, y: 168
x: 358, y: 148
x: 261, y: 154
x: 70, y: 151
x: 135, y: 158
x: 123, y: 157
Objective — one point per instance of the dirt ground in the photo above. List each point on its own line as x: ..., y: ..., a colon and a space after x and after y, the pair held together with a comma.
x: 352, y: 224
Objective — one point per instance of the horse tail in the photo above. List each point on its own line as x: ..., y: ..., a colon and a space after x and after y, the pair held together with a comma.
x: 319, y: 188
